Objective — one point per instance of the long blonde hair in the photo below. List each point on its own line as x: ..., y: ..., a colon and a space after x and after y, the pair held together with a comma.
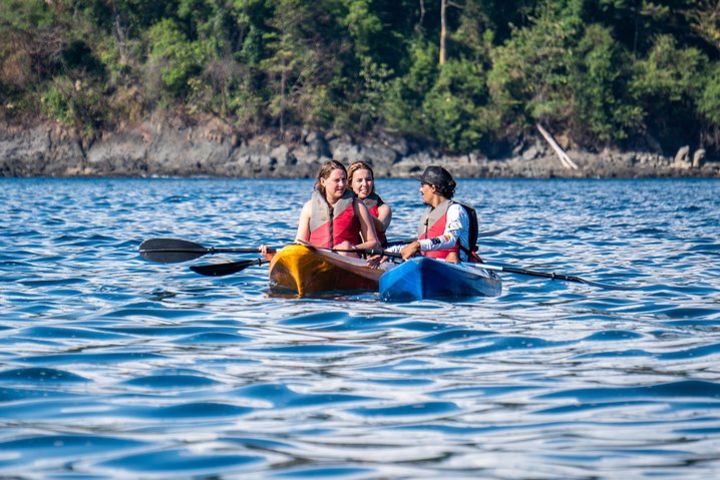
x: 325, y: 170
x: 360, y: 165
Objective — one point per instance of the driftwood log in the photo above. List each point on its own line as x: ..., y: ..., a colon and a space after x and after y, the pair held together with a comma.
x: 564, y: 158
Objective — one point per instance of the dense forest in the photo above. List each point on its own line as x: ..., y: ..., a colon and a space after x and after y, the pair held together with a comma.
x: 462, y: 74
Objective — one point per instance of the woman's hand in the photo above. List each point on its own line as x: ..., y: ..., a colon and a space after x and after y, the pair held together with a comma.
x: 263, y: 249
x: 410, y: 250
x: 374, y: 261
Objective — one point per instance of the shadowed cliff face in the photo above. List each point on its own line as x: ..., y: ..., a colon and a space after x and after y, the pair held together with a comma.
x: 159, y: 150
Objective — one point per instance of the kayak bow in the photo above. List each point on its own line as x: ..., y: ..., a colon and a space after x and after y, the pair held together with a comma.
x: 426, y: 278
x: 308, y: 270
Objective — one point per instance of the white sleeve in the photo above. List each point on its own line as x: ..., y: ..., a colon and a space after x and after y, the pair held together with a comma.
x: 456, y: 225
x: 394, y: 248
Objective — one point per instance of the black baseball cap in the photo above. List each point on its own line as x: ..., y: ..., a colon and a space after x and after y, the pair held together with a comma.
x: 437, y: 176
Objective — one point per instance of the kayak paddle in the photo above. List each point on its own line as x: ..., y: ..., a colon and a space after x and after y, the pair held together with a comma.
x: 228, y: 268
x: 501, y: 268
x: 488, y: 233
x: 174, y: 250
x: 550, y: 275
x: 222, y: 269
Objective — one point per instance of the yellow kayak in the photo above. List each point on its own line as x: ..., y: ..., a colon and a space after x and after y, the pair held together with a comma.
x: 308, y: 270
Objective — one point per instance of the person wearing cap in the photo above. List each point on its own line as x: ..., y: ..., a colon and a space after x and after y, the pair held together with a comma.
x: 444, y: 230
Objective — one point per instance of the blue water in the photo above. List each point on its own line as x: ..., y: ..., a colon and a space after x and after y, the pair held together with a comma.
x: 114, y: 367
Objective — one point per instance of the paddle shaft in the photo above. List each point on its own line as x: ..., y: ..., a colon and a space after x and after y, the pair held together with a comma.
x: 533, y: 273
x: 488, y: 233
x: 205, y: 250
x: 221, y: 269
x: 174, y: 250
x: 365, y: 251
x: 501, y: 268
x: 488, y: 266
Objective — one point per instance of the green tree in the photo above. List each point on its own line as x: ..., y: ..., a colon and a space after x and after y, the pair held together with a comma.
x: 301, y: 60
x: 704, y: 19
x: 668, y: 84
x: 708, y: 104
x: 603, y: 71
x: 454, y: 109
x: 529, y: 78
x: 364, y: 26
x: 406, y: 94
x: 709, y: 98
x: 173, y: 57
x: 603, y: 110
x: 31, y: 43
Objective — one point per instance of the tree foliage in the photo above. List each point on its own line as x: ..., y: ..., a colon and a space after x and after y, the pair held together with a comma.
x: 603, y: 72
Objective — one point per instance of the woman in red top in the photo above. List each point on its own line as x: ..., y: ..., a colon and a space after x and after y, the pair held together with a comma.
x: 333, y: 217
x: 362, y: 182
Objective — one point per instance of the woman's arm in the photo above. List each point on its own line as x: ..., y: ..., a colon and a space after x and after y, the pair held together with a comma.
x: 303, y: 231
x: 379, y: 225
x: 384, y: 216
x: 367, y: 228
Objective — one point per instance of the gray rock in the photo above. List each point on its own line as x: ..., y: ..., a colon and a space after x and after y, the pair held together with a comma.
x: 531, y: 153
x: 335, y: 141
x: 682, y: 158
x: 698, y: 158
x: 178, y: 152
x: 305, y: 155
x: 318, y: 144
x: 163, y: 149
x: 347, y: 153
x: 284, y: 156
x: 117, y: 155
x: 397, y: 144
x: 40, y: 151
x: 377, y: 154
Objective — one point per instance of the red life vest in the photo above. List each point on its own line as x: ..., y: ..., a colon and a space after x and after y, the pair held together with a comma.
x: 373, y: 202
x: 432, y: 224
x: 331, y: 226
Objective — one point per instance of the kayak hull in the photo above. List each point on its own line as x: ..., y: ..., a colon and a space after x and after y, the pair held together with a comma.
x: 426, y: 278
x: 306, y: 270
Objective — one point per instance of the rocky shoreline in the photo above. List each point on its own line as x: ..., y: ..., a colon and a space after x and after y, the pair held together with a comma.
x: 151, y: 150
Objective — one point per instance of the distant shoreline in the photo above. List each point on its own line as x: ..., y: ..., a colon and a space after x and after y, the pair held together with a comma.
x: 162, y: 150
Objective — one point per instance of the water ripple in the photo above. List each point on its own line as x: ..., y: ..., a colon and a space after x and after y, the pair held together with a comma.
x: 114, y: 367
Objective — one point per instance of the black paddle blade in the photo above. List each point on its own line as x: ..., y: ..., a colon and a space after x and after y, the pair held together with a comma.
x: 605, y: 286
x: 222, y: 269
x: 171, y: 250
x: 492, y: 233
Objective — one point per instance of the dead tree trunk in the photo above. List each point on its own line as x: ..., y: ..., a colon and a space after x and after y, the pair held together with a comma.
x: 443, y: 30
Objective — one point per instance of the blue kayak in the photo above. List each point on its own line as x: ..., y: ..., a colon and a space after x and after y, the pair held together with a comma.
x: 425, y: 278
